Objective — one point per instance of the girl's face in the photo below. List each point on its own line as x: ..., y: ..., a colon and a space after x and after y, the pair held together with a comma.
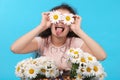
x: 60, y: 29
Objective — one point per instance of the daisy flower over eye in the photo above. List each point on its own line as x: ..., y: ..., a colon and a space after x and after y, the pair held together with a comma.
x: 55, y: 16
x: 68, y: 19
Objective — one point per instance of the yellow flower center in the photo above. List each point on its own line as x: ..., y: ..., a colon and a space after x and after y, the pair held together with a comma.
x: 79, y: 76
x: 90, y: 58
x: 76, y: 52
x: 51, y: 71
x: 83, y: 59
x: 76, y: 57
x: 34, y: 62
x: 101, y: 75
x: 71, y: 50
x: 55, y: 17
x: 95, y: 68
x: 68, y: 18
x: 43, y: 70
x: 18, y: 68
x: 31, y: 71
x: 88, y: 69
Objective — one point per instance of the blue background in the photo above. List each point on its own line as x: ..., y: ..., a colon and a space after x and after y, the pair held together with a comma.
x: 100, y: 20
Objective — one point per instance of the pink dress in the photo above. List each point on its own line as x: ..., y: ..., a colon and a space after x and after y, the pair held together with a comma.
x: 46, y: 48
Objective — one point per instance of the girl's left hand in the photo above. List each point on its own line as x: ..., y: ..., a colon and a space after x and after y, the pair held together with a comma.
x: 76, y: 26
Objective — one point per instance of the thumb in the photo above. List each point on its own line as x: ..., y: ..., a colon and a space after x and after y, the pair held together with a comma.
x: 49, y: 24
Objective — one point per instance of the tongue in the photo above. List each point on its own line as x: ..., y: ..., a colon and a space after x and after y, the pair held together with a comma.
x: 58, y: 31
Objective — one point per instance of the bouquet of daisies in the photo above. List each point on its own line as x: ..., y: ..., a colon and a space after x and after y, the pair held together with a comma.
x: 84, y: 65
x: 32, y: 69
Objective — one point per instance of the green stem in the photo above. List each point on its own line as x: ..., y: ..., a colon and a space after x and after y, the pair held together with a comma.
x: 73, y: 70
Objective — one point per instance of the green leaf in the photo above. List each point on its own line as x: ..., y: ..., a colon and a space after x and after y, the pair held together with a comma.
x: 73, y: 70
x: 89, y: 78
x: 39, y: 76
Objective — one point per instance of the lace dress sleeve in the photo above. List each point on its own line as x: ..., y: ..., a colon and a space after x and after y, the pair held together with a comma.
x: 77, y: 43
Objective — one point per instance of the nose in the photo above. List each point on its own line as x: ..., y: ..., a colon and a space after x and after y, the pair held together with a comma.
x: 61, y: 22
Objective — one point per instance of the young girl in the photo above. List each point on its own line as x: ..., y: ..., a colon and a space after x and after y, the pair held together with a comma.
x: 56, y: 38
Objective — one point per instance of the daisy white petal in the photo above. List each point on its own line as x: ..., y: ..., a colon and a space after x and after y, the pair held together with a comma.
x: 68, y: 19
x: 55, y: 16
x: 31, y: 71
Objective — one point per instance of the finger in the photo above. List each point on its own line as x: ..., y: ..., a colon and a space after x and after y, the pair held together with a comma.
x: 76, y: 21
x: 46, y: 13
x: 77, y: 16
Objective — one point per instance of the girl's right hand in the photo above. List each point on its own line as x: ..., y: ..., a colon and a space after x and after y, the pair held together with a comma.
x: 45, y: 22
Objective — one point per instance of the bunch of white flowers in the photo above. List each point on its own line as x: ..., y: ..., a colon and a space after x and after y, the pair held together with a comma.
x: 41, y: 67
x: 84, y: 65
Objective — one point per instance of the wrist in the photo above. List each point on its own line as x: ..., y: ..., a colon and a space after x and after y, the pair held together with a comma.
x: 41, y: 25
x: 40, y: 28
x: 80, y: 32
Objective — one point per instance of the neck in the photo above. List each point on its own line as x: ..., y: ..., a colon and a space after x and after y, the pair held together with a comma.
x: 58, y: 41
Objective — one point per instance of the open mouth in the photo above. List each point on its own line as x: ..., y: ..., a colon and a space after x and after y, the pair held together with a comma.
x: 60, y: 29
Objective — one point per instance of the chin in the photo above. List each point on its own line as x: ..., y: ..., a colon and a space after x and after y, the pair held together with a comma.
x: 59, y: 36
